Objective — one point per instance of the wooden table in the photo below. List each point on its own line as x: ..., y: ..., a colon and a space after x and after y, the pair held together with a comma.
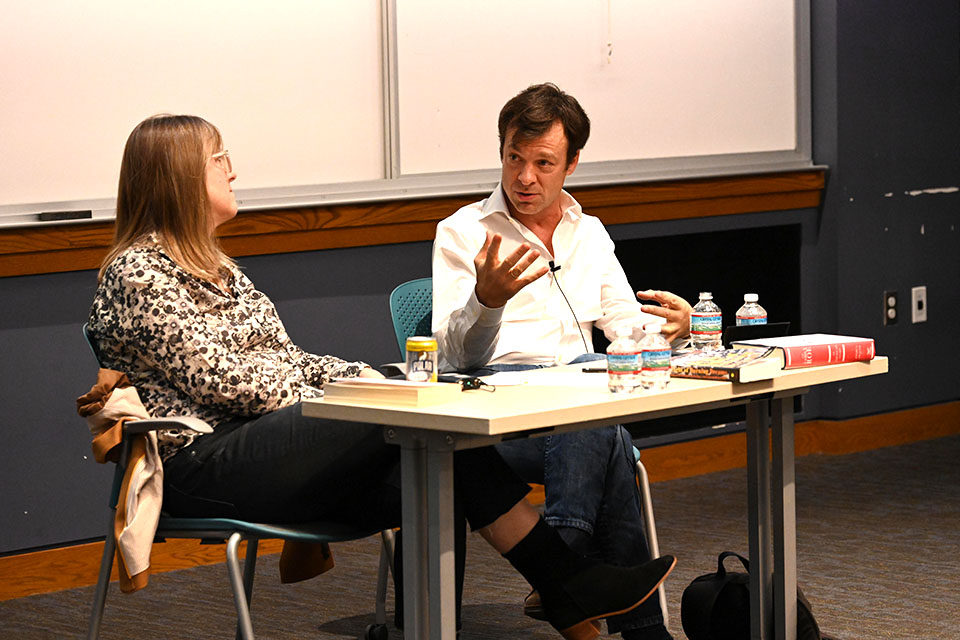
x: 560, y: 399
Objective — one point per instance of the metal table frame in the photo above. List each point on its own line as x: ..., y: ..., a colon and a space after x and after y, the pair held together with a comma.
x: 427, y: 482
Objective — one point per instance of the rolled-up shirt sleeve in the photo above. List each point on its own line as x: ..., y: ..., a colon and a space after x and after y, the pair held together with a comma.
x: 320, y: 369
x: 619, y: 304
x: 466, y: 330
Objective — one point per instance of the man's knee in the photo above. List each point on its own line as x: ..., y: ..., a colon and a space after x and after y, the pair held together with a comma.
x: 625, y: 440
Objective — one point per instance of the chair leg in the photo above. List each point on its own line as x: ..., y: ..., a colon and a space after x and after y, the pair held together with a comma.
x: 651, y: 527
x: 245, y: 626
x: 388, y: 540
x: 382, y: 572
x: 103, y: 582
x: 249, y: 572
x: 385, y: 569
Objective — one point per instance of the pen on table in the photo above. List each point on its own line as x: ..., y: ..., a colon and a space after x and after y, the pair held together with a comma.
x: 594, y: 369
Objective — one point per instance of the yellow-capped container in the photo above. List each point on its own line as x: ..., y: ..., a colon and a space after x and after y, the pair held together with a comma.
x: 422, y: 359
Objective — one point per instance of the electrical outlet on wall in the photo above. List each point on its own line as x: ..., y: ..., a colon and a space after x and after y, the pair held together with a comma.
x: 890, y: 310
x: 918, y: 304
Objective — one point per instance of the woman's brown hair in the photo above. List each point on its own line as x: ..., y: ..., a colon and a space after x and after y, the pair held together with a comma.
x: 163, y: 190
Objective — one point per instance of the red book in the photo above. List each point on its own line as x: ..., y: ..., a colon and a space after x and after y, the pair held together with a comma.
x: 816, y: 349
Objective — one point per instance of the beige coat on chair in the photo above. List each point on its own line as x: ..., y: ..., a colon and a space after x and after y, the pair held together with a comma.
x: 113, y: 401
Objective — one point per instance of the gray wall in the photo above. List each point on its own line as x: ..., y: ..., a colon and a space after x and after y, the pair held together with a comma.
x: 52, y: 491
x: 887, y: 121
x: 886, y: 105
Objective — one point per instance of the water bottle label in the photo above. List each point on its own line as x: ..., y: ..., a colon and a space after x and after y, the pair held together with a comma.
x: 622, y: 363
x: 656, y: 360
x: 742, y: 320
x: 706, y: 323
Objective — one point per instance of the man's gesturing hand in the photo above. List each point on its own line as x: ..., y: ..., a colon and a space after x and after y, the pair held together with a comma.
x: 673, y: 308
x: 499, y: 280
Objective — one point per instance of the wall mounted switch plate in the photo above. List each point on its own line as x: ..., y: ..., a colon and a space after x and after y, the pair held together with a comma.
x: 918, y: 305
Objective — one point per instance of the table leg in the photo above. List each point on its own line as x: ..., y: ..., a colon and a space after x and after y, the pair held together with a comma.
x: 426, y: 469
x: 440, y: 554
x: 784, y: 522
x: 758, y: 496
x: 413, y: 487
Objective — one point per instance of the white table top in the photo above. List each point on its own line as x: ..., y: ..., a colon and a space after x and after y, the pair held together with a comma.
x: 562, y: 395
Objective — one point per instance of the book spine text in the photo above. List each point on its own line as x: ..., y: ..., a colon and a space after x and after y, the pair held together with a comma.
x: 823, y: 354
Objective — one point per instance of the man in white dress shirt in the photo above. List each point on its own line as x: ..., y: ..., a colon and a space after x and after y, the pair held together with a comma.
x: 519, y: 281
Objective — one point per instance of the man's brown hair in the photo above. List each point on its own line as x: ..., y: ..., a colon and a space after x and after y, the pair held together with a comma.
x: 534, y: 110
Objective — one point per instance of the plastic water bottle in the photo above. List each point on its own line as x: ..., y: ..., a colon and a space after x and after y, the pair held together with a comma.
x: 706, y: 323
x: 654, y: 357
x: 751, y: 312
x: 623, y: 362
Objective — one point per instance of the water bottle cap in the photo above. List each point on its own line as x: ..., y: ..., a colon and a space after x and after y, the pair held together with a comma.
x: 750, y: 297
x: 654, y: 327
x: 706, y: 295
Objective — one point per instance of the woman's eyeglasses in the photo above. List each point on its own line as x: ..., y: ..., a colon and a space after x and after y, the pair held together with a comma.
x: 223, y: 160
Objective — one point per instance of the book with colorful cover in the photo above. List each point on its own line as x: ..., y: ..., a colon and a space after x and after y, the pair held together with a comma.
x: 747, y: 364
x: 388, y: 391
x: 815, y: 349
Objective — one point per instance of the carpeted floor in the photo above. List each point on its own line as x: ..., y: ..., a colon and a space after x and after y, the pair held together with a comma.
x: 878, y: 538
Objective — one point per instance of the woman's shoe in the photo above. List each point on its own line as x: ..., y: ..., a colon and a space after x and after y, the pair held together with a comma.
x: 573, y: 604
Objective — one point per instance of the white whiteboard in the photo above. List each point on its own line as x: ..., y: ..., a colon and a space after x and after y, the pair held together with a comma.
x: 658, y: 78
x: 324, y: 101
x: 294, y: 87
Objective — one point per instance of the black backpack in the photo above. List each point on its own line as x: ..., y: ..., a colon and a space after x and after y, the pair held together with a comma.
x: 716, y: 606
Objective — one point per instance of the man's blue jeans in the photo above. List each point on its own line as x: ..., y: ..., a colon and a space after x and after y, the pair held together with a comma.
x: 590, y: 484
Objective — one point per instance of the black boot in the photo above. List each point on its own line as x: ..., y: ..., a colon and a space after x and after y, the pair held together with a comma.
x: 575, y: 590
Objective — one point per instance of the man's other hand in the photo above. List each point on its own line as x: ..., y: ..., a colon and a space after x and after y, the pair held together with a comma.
x: 499, y: 280
x: 675, y: 309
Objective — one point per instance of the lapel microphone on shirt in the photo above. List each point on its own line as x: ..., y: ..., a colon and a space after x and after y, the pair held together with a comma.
x: 553, y: 269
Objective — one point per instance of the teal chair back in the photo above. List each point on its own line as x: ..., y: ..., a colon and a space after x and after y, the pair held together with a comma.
x: 90, y: 343
x: 411, y: 309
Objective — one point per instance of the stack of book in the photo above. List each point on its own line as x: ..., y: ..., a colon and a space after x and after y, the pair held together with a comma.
x: 762, y: 359
x: 815, y: 349
x: 387, y: 391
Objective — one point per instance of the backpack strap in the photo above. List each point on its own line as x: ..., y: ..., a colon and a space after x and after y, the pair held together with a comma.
x: 700, y: 597
x: 721, y: 571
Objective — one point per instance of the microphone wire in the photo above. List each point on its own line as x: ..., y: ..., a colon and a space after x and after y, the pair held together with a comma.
x: 553, y: 272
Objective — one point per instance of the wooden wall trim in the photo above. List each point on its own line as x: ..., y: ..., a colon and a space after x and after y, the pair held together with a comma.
x: 76, y: 566
x: 75, y: 247
x: 831, y: 437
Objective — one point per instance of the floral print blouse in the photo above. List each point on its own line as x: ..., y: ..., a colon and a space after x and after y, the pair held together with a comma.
x: 191, y: 349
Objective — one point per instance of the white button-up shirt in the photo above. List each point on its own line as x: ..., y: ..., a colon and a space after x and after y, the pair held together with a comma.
x: 536, y: 326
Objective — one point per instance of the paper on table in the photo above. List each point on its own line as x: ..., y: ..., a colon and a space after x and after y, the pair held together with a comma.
x: 547, y: 378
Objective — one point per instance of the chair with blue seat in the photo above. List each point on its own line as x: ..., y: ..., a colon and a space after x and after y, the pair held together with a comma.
x: 232, y: 532
x: 411, y: 309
